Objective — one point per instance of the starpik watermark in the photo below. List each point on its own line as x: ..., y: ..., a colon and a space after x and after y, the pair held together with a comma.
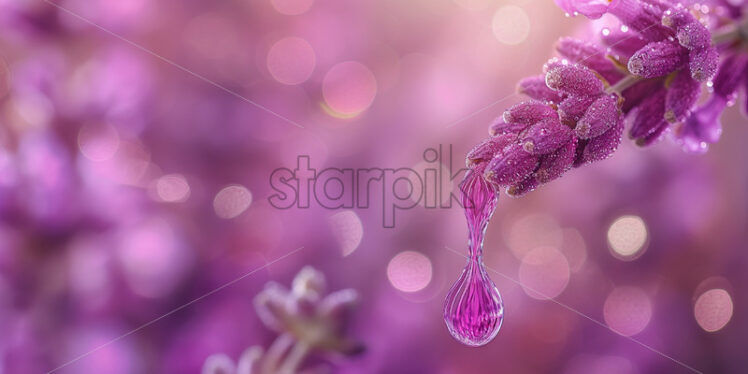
x: 432, y: 185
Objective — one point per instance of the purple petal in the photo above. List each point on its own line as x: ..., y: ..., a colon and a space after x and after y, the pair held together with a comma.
x: 730, y: 75
x: 589, y: 55
x: 545, y: 137
x: 703, y: 63
x: 655, y: 136
x: 574, y: 80
x: 572, y: 108
x: 676, y: 18
x: 589, y: 8
x: 649, y: 115
x: 681, y: 96
x: 702, y: 127
x: 694, y: 36
x: 487, y: 149
x: 634, y: 95
x: 641, y: 16
x: 528, y: 184
x: 529, y: 112
x: 535, y: 88
x: 603, y: 146
x: 554, y: 165
x: 499, y: 127
x: 624, y: 42
x: 601, y: 115
x: 657, y: 59
x: 510, y: 166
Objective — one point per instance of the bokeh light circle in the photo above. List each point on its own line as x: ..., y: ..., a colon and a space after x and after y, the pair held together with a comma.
x: 713, y: 309
x: 292, y: 7
x: 544, y: 273
x: 627, y: 237
x: 172, y: 188
x: 510, y: 25
x: 98, y: 142
x: 409, y: 271
x: 627, y: 310
x: 291, y: 60
x: 349, y: 88
x: 348, y: 230
x: 232, y: 201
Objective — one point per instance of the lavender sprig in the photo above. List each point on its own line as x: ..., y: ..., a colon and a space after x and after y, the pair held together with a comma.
x: 648, y: 74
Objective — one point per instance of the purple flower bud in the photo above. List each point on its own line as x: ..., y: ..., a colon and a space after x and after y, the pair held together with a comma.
x: 657, y: 59
x: 529, y: 112
x: 552, y: 63
x: 654, y: 136
x: 731, y: 74
x: 703, y: 63
x: 681, y: 96
x: 572, y: 108
x: 535, y: 88
x: 528, y: 184
x: 644, y: 17
x: 590, y: 55
x: 624, y: 42
x: 499, y: 127
x: 487, y: 149
x: 603, y: 146
x: 694, y: 36
x: 592, y: 9
x: 599, y: 117
x: 676, y: 18
x: 554, y: 165
x: 649, y: 115
x: 545, y: 137
x: 702, y: 127
x: 574, y: 80
x: 510, y: 166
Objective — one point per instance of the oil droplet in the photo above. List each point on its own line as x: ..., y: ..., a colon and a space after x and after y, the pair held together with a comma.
x: 473, y: 309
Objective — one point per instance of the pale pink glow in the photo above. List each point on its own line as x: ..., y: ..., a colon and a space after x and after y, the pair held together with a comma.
x: 574, y: 248
x: 627, y: 237
x: 510, y: 25
x: 291, y: 60
x: 349, y: 88
x: 98, y: 142
x: 409, y: 271
x: 348, y: 230
x: 292, y: 7
x: 232, y: 201
x: 627, y: 310
x: 544, y: 273
x: 128, y: 166
x: 533, y: 231
x: 172, y: 188
x: 713, y: 309
x: 152, y: 259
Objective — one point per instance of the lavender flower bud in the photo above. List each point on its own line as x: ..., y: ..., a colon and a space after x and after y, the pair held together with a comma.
x: 590, y: 55
x: 624, y: 42
x: 574, y: 80
x: 703, y: 63
x: 603, y: 146
x: 499, y: 127
x: 676, y: 18
x: 554, y: 165
x: 545, y: 137
x: 510, y: 166
x: 529, y: 112
x: 657, y: 59
x: 731, y: 74
x: 681, y: 96
x: 649, y: 115
x: 654, y: 136
x: 309, y: 279
x: 592, y: 9
x: 535, y: 88
x: 573, y: 108
x: 702, y: 127
x: 644, y: 17
x: 694, y: 36
x: 599, y: 117
x: 528, y: 184
x: 487, y: 149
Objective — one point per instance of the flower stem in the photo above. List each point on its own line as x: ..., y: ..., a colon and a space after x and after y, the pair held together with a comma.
x: 624, y: 83
x: 295, y: 358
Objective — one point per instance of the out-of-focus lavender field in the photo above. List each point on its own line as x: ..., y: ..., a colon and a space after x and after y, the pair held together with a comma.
x: 137, y: 143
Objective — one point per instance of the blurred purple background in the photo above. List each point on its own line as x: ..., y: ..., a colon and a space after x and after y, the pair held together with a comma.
x: 131, y: 185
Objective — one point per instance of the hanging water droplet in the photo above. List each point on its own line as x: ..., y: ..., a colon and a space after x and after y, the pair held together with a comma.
x: 473, y: 309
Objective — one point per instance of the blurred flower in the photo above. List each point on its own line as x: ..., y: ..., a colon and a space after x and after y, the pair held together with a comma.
x: 306, y: 319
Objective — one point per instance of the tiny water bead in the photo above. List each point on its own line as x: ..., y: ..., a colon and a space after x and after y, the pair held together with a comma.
x: 473, y: 309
